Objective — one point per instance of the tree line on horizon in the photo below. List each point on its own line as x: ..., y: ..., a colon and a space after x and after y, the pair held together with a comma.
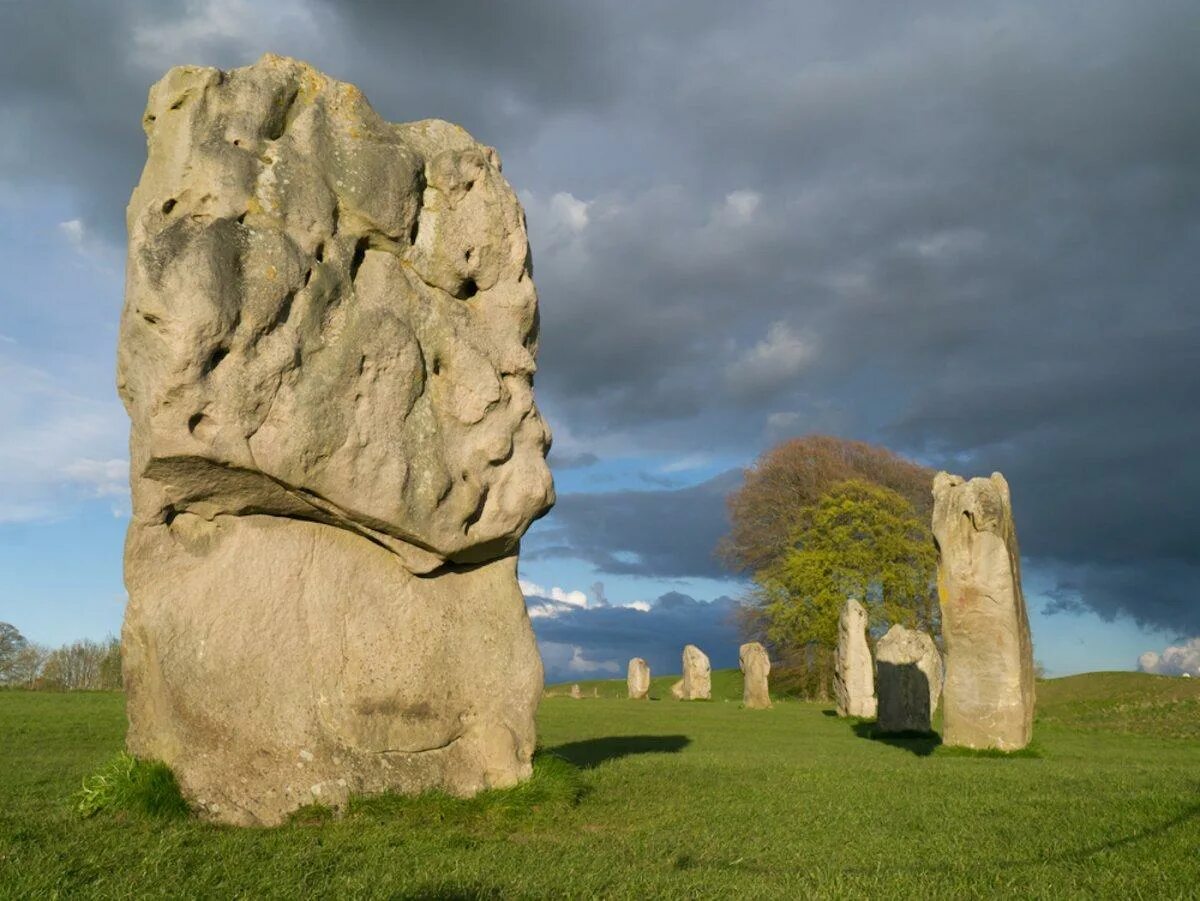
x: 83, y: 665
x: 821, y: 519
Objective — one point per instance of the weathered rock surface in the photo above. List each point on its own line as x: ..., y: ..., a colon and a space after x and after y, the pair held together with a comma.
x: 910, y: 680
x: 989, y: 693
x: 755, y: 666
x: 854, y: 671
x: 677, y: 690
x: 637, y: 679
x: 576, y: 691
x: 326, y: 352
x: 696, y: 684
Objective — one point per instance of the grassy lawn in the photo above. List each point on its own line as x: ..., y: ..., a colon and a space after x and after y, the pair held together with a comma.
x: 670, y: 799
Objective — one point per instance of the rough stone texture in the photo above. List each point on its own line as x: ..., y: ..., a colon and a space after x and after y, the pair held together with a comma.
x: 326, y: 352
x: 910, y: 680
x: 696, y: 684
x: 677, y: 690
x: 755, y: 666
x: 638, y: 679
x: 854, y: 671
x: 989, y: 693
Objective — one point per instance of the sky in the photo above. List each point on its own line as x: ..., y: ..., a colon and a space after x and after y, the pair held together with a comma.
x: 969, y: 232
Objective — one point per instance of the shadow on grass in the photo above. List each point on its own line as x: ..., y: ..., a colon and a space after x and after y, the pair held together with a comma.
x: 920, y: 743
x: 594, y: 751
x: 829, y: 713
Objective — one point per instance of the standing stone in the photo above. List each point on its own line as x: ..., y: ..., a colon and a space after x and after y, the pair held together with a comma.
x: 910, y: 680
x: 677, y: 690
x: 697, y: 675
x: 326, y: 352
x: 576, y: 692
x: 638, y: 679
x: 755, y: 666
x: 854, y: 672
x: 989, y: 694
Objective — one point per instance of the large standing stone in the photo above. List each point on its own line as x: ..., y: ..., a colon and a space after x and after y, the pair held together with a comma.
x: 854, y: 672
x: 755, y: 666
x: 326, y: 351
x: 910, y: 680
x: 696, y: 684
x: 638, y: 679
x: 989, y: 694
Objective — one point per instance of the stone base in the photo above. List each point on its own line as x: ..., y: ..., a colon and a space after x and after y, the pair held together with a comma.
x: 274, y: 663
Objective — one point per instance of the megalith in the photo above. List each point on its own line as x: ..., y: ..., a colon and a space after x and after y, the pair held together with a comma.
x: 910, y: 680
x: 576, y: 692
x: 854, y: 671
x: 755, y: 666
x: 637, y: 679
x: 696, y: 684
x: 988, y: 699
x: 327, y: 352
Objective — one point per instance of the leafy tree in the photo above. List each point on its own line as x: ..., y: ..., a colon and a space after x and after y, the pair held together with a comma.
x: 859, y: 540
x: 12, y: 643
x: 796, y: 474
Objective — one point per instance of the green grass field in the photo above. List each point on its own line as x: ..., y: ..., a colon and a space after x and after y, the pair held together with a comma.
x: 670, y: 799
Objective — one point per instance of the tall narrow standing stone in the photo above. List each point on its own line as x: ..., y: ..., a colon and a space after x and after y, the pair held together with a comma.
x: 755, y: 665
x: 326, y: 352
x: 697, y: 675
x: 854, y: 673
x: 638, y: 679
x: 989, y: 693
x: 910, y: 680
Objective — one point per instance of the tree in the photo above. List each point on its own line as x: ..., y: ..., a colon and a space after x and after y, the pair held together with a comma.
x: 84, y: 664
x: 794, y: 475
x: 859, y: 540
x: 12, y: 643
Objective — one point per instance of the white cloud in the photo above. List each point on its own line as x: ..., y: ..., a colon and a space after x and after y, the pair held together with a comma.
x: 74, y: 232
x: 560, y: 595
x: 642, y: 606
x: 740, y: 206
x: 47, y: 431
x: 104, y: 478
x: 779, y: 357
x: 570, y: 211
x: 1173, y: 661
x: 687, y: 463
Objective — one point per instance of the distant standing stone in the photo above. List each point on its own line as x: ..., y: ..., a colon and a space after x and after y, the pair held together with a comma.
x: 910, y: 680
x: 638, y: 679
x: 755, y: 666
x: 677, y: 690
x: 989, y: 693
x: 854, y: 672
x: 576, y: 693
x: 697, y: 675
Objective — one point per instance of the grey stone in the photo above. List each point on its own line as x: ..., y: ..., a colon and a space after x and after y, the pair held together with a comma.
x: 755, y: 666
x: 910, y: 680
x: 697, y: 675
x: 326, y: 352
x: 854, y: 671
x: 989, y: 694
x: 637, y: 679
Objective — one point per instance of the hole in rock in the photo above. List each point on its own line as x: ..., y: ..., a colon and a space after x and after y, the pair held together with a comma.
x: 150, y: 318
x: 319, y: 253
x: 213, y: 361
x: 169, y: 205
x: 241, y: 220
x: 360, y: 253
x: 467, y: 289
x: 169, y: 513
x: 413, y: 230
x: 436, y: 369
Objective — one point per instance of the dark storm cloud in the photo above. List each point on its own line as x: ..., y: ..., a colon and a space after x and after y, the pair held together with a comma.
x: 969, y: 231
x: 661, y: 533
x: 597, y: 642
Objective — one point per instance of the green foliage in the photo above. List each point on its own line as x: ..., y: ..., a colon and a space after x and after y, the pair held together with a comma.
x: 859, y: 540
x: 126, y: 784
